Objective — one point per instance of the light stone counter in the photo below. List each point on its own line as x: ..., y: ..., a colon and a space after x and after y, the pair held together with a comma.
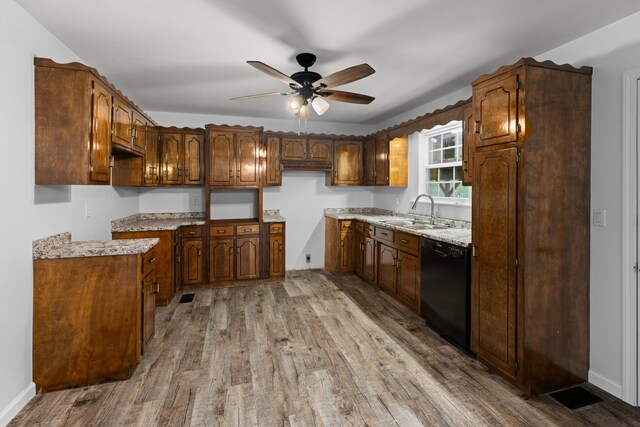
x: 61, y: 246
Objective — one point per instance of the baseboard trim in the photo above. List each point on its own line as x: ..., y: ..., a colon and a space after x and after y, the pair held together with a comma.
x: 605, y: 384
x: 21, y: 400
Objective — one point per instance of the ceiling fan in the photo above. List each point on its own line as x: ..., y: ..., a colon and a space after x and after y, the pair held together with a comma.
x: 309, y: 87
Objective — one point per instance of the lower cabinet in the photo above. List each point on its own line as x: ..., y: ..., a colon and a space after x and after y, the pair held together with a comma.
x: 408, y: 279
x: 387, y: 264
x: 192, y: 259
x: 340, y: 246
x: 221, y: 260
x: 248, y: 258
x: 234, y: 252
x: 93, y: 318
x: 276, y: 250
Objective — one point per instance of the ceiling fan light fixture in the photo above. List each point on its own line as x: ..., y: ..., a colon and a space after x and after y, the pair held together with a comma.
x: 295, y: 102
x: 320, y: 105
x: 303, y: 112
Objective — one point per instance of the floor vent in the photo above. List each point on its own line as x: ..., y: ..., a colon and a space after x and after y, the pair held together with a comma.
x: 186, y: 298
x: 575, y: 397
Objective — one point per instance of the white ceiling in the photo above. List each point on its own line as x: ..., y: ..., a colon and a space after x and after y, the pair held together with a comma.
x: 189, y: 56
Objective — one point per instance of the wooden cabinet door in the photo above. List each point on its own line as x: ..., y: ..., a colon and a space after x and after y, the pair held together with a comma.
x: 408, y: 279
x: 222, y: 160
x: 248, y: 258
x: 369, y: 174
x: 221, y: 260
x: 495, y: 110
x: 294, y: 149
x: 467, y: 146
x: 347, y: 249
x: 122, y: 130
x: 369, y: 259
x: 150, y: 287
x: 276, y: 256
x: 193, y: 158
x: 171, y: 158
x: 192, y: 262
x: 273, y: 175
x: 247, y: 159
x: 139, y: 127
x: 347, y: 165
x: 320, y: 150
x: 359, y: 254
x: 387, y: 262
x: 493, y: 283
x: 382, y: 161
x: 151, y: 159
x: 100, y: 133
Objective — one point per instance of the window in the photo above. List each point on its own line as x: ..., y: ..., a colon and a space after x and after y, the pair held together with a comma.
x: 444, y: 162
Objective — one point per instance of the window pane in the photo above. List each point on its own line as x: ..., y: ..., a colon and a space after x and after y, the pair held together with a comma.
x: 435, y: 157
x: 458, y: 175
x: 434, y: 142
x: 433, y: 189
x: 446, y: 174
x: 433, y: 174
x: 449, y: 155
x: 449, y: 139
x: 459, y: 156
x: 461, y: 191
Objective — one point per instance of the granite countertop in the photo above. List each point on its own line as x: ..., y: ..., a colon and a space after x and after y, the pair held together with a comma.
x: 456, y: 232
x: 272, y: 215
x: 172, y: 221
x: 61, y: 246
x: 157, y: 221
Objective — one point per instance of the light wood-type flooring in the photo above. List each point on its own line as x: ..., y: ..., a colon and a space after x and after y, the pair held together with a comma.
x: 314, y: 350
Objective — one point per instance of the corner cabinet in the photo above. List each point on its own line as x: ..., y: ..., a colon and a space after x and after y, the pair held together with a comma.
x: 235, y: 160
x: 530, y: 241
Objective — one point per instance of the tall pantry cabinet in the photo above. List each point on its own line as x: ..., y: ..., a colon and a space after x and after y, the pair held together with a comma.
x: 530, y: 245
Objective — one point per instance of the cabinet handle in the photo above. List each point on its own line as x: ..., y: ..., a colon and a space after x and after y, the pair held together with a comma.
x: 238, y: 173
x: 474, y: 251
x: 221, y: 231
x: 477, y: 126
x: 465, y: 165
x: 280, y: 247
x: 231, y: 250
x: 246, y: 230
x: 151, y: 260
x: 335, y: 174
x: 191, y: 233
x: 199, y: 252
x: 404, y: 241
x: 231, y: 173
x: 238, y: 251
x: 157, y: 283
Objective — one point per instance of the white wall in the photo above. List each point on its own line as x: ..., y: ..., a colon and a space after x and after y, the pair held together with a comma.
x: 611, y: 51
x: 30, y: 211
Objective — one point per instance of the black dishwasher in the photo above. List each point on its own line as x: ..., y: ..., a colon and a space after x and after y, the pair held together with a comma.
x: 446, y: 290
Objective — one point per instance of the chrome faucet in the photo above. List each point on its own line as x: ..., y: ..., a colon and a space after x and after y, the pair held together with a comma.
x: 415, y: 203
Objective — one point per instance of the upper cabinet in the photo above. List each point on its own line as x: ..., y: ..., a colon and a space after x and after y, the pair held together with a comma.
x: 386, y: 161
x: 234, y: 156
x: 80, y: 117
x: 496, y: 110
x: 306, y: 153
x: 347, y: 164
x: 273, y: 174
x: 181, y: 154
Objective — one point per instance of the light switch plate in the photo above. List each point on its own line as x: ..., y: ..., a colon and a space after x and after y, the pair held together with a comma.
x: 600, y: 217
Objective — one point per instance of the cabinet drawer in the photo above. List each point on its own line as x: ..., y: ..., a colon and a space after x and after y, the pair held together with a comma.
x: 148, y: 262
x: 345, y: 224
x: 384, y: 234
x: 408, y: 241
x: 150, y: 284
x: 360, y: 227
x: 221, y: 230
x: 244, y: 230
x: 276, y: 228
x: 369, y: 230
x: 193, y: 231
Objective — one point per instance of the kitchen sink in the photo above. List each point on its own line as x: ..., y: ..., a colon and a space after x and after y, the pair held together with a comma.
x: 402, y: 222
x: 424, y: 226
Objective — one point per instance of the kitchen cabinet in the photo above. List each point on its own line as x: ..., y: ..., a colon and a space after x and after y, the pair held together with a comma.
x: 93, y: 318
x: 387, y: 259
x: 152, y: 159
x: 276, y: 250
x: 181, y: 156
x: 365, y: 250
x: 234, y: 252
x: 73, y: 113
x: 273, y: 174
x: 306, y: 153
x: 358, y: 260
x: 408, y: 279
x: 530, y: 253
x: 235, y: 160
x: 139, y: 127
x: 467, y: 146
x: 339, y: 245
x: 164, y: 262
x: 294, y: 149
x: 122, y: 116
x: 192, y: 259
x: 376, y: 161
x: 347, y: 163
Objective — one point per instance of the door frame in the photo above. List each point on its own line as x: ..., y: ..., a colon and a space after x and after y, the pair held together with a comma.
x: 630, y: 164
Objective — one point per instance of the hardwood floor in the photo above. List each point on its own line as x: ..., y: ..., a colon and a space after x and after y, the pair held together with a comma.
x: 316, y: 350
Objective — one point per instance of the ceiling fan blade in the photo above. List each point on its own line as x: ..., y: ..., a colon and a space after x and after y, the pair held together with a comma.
x: 338, y: 95
x: 345, y: 76
x: 259, y: 95
x: 273, y: 72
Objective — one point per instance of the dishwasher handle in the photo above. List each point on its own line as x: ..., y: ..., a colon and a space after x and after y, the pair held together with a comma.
x: 442, y: 254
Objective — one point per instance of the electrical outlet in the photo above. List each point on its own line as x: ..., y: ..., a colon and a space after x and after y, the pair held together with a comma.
x: 600, y: 217
x: 195, y: 201
x: 349, y: 197
x: 87, y: 210
x: 308, y: 258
